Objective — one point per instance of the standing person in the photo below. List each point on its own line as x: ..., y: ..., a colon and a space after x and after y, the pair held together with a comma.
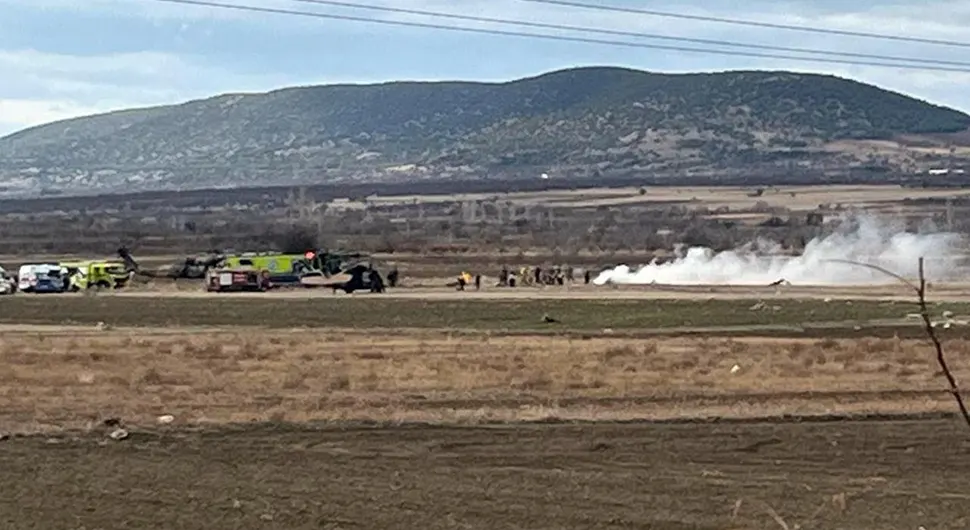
x: 478, y: 282
x: 377, y: 283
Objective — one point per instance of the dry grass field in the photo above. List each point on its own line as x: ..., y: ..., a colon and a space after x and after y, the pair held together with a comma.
x: 587, y: 226
x: 796, y: 198
x: 73, y: 379
x: 318, y: 428
x: 374, y: 412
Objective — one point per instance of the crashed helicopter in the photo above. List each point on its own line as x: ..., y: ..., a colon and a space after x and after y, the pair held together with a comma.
x: 359, y: 277
x: 191, y: 268
x: 335, y: 270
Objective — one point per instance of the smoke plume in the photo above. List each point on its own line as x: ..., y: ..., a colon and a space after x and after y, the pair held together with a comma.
x: 860, y: 239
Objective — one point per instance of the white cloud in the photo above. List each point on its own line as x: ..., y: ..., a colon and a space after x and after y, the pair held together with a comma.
x: 17, y: 114
x: 946, y: 19
x: 939, y: 19
x: 40, y: 87
x: 152, y: 9
x: 139, y: 64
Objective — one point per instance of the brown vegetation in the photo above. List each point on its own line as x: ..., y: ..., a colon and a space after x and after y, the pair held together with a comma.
x: 585, y: 227
x: 70, y: 379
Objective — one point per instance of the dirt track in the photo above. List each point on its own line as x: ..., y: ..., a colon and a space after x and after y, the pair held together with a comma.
x: 902, y: 474
x: 942, y: 292
x: 575, y: 312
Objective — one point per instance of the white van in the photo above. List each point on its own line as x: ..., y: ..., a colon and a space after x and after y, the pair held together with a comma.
x: 40, y: 278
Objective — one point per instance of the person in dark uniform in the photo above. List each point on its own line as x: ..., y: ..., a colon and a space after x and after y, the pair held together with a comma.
x: 478, y: 282
x: 586, y: 276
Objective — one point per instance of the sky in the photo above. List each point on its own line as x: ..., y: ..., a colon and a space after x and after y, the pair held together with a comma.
x: 67, y: 58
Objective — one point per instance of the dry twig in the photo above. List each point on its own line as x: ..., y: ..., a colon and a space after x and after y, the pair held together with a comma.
x: 928, y: 325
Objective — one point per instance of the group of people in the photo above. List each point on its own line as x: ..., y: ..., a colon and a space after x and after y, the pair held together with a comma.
x: 557, y: 275
x: 525, y: 276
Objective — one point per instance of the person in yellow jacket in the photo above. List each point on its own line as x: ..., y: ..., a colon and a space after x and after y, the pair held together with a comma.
x: 464, y: 279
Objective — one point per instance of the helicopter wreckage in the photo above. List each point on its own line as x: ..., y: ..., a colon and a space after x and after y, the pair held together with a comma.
x: 263, y: 271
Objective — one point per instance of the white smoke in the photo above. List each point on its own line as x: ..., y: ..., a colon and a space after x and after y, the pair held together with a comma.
x: 860, y: 239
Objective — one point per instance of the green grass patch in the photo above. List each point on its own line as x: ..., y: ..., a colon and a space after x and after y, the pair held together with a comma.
x: 376, y: 312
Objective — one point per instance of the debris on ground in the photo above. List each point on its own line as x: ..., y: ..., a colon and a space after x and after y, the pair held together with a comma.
x: 119, y: 434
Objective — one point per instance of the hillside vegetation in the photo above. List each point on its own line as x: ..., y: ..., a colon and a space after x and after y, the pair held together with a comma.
x: 582, y: 122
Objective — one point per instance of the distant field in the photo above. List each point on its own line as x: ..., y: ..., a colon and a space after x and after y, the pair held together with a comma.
x: 796, y: 198
x: 589, y: 225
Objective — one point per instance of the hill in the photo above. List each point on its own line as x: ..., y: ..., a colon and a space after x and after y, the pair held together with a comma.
x: 582, y: 121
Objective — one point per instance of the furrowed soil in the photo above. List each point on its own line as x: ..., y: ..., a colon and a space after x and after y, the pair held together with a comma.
x: 864, y: 474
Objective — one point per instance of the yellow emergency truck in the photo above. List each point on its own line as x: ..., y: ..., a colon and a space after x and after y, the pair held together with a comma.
x: 83, y: 275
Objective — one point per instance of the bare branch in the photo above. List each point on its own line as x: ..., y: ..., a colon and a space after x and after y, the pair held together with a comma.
x: 883, y: 270
x: 928, y: 326
x: 940, y: 357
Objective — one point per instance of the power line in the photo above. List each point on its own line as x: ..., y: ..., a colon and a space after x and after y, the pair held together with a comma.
x: 754, y: 23
x: 563, y: 38
x: 566, y: 27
